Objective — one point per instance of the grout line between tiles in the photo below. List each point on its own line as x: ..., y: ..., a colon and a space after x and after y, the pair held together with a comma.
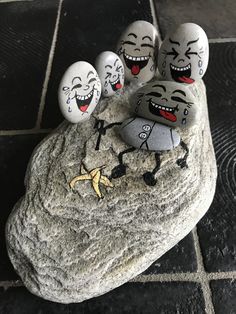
x: 155, y: 22
x: 24, y: 132
x: 202, y: 274
x: 49, y: 68
x: 165, y: 277
x: 222, y: 40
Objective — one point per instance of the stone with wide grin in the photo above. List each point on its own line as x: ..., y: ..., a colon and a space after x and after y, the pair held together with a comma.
x: 115, y: 85
x: 162, y: 111
x: 135, y: 63
x: 83, y: 102
x: 181, y: 74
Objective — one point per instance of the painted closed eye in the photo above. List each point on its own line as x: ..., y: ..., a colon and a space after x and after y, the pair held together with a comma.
x: 173, y: 53
x: 128, y: 42
x: 179, y: 99
x: 118, y: 68
x: 76, y: 86
x: 91, y: 80
x: 147, y: 45
x: 108, y: 75
x: 156, y: 94
x: 188, y: 53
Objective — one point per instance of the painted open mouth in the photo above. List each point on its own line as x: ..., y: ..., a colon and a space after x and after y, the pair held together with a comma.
x: 163, y: 111
x: 115, y: 85
x: 83, y: 102
x: 181, y: 74
x: 135, y: 64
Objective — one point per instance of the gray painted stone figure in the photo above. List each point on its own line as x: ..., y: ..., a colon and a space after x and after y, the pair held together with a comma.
x: 166, y: 102
x: 79, y: 92
x: 184, y: 54
x: 149, y: 135
x: 111, y: 73
x: 137, y: 49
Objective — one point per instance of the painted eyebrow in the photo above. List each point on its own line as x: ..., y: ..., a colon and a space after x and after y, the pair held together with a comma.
x: 77, y: 77
x: 174, y: 42
x: 90, y: 72
x: 157, y: 85
x: 115, y: 62
x: 108, y: 66
x: 147, y: 37
x: 179, y: 91
x: 192, y: 41
x: 132, y: 34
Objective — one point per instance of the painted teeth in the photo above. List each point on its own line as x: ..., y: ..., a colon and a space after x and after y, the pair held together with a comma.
x: 162, y: 108
x: 115, y: 82
x: 84, y: 97
x: 136, y: 58
x: 180, y: 68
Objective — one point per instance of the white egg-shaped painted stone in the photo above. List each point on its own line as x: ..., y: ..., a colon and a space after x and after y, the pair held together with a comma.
x: 111, y: 72
x: 79, y: 92
x: 166, y: 102
x: 137, y: 48
x: 149, y: 135
x: 184, y: 54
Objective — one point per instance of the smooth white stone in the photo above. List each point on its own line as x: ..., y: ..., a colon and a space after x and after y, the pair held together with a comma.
x: 79, y: 92
x: 184, y: 54
x: 137, y: 48
x: 111, y: 73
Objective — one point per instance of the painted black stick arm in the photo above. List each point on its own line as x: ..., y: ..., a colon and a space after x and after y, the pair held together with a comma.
x: 99, y: 126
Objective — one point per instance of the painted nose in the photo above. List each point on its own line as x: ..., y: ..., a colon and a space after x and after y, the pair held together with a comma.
x: 181, y: 60
x: 164, y: 99
x: 114, y: 76
x: 87, y: 87
x: 136, y: 49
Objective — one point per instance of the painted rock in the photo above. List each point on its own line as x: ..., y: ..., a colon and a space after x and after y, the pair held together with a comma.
x: 169, y: 103
x: 79, y: 92
x: 149, y: 135
x: 184, y: 54
x: 111, y: 72
x: 137, y: 49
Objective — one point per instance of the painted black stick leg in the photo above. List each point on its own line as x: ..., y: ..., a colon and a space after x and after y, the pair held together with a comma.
x: 182, y: 162
x: 149, y: 177
x: 120, y: 170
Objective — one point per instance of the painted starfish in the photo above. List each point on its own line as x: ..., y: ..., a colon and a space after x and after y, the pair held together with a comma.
x: 96, y: 178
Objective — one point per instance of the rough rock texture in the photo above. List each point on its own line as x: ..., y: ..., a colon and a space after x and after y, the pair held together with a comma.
x: 67, y: 244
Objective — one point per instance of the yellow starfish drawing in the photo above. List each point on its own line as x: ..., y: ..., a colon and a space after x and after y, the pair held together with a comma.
x: 96, y: 177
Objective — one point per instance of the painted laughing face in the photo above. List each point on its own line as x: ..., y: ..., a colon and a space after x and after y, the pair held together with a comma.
x: 79, y: 92
x: 137, y: 49
x: 184, y: 54
x: 166, y: 102
x: 111, y: 73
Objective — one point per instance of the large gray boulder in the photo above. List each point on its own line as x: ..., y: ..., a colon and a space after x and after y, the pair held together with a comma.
x: 69, y: 245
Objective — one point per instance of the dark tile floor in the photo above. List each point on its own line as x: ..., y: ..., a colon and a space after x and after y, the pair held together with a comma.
x: 86, y: 28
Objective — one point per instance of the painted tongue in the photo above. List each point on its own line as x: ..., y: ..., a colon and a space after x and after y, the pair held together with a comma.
x: 168, y: 115
x: 135, y: 69
x: 118, y: 86
x: 83, y: 108
x: 184, y: 79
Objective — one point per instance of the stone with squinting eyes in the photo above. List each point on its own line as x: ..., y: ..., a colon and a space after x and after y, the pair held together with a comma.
x: 166, y: 102
x: 184, y: 54
x: 149, y: 135
x: 111, y: 73
x: 137, y: 48
x: 79, y: 92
